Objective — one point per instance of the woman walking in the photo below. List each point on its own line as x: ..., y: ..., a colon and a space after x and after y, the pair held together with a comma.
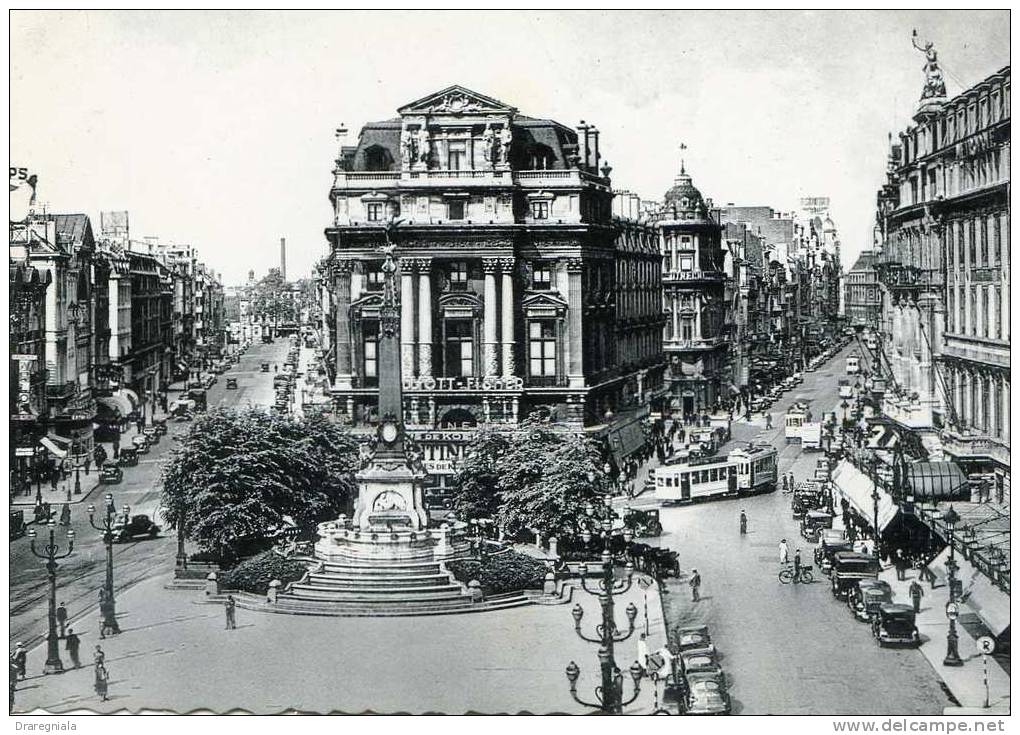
x: 102, y: 682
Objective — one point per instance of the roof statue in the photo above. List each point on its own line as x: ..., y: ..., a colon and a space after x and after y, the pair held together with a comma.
x: 934, y: 84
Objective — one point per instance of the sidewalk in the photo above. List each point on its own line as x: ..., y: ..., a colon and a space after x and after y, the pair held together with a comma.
x: 60, y: 496
x: 965, y: 682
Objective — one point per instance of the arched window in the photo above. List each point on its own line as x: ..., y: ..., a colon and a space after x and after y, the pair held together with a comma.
x: 378, y: 158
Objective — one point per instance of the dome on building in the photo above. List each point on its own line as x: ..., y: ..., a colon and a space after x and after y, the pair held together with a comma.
x: 683, y: 201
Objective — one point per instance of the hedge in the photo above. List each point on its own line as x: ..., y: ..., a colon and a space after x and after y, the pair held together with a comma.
x: 505, y: 572
x: 255, y: 574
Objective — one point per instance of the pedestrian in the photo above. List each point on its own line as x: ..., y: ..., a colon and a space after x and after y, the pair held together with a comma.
x: 102, y: 682
x: 98, y: 657
x: 927, y: 573
x: 99, y: 454
x: 768, y: 421
x: 73, y: 644
x: 20, y: 658
x: 901, y: 565
x: 916, y: 592
x: 743, y: 523
x: 786, y: 485
x: 796, y: 566
x: 62, y: 618
x: 695, y: 583
x: 54, y: 478
x: 229, y: 606
x: 12, y: 685
x: 784, y: 552
x: 65, y: 515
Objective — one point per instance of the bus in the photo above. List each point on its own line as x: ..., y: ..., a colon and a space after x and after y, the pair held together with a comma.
x: 741, y: 472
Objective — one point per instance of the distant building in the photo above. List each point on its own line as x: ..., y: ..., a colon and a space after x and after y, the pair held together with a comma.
x: 863, y: 298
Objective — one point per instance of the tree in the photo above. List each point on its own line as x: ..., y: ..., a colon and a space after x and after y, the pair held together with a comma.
x: 239, y: 477
x: 538, y: 476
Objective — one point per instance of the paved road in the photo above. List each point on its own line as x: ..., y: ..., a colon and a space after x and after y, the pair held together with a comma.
x: 788, y: 649
x: 81, y: 575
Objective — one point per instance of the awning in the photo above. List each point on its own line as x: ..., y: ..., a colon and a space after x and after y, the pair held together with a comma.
x: 936, y: 481
x: 118, y: 403
x: 626, y: 440
x: 132, y: 397
x: 52, y: 447
x: 857, y: 488
x: 978, y: 592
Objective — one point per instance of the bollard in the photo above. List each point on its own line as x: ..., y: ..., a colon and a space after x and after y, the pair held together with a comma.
x: 274, y: 590
x: 212, y: 584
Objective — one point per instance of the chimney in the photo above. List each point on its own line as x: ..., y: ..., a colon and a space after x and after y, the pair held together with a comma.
x: 283, y: 259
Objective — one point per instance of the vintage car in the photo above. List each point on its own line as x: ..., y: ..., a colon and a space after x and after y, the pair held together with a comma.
x: 231, y: 383
x: 829, y: 544
x: 812, y: 523
x: 699, y: 660
x: 869, y: 595
x: 895, y: 624
x: 160, y: 426
x: 111, y: 475
x: 706, y: 694
x: 696, y: 637
x: 265, y: 367
x: 140, y: 443
x: 643, y: 522
x: 128, y: 457
x: 17, y: 524
x: 152, y: 434
x: 139, y: 525
x: 848, y: 568
x: 805, y: 498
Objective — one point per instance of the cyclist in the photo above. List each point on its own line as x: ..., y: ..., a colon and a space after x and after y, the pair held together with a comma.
x: 796, y: 566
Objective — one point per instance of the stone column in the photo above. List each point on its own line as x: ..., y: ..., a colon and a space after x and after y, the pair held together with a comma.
x: 424, y: 317
x: 490, y: 346
x: 507, y: 326
x: 342, y: 289
x: 357, y: 282
x: 575, y: 367
x: 407, y: 317
x: 1005, y: 412
x: 675, y: 301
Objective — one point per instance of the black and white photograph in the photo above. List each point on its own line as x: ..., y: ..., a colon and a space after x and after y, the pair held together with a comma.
x: 502, y: 362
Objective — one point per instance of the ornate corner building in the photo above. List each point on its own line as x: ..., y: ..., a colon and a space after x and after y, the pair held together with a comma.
x: 944, y: 267
x: 520, y: 293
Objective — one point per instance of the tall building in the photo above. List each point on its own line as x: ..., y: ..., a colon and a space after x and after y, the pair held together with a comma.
x: 863, y: 299
x: 520, y: 294
x: 694, y: 278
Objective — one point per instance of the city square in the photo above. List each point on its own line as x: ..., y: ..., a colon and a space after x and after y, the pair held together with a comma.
x: 501, y: 435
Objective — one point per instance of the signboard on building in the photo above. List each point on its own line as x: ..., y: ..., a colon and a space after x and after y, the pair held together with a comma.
x: 488, y: 383
x: 442, y: 450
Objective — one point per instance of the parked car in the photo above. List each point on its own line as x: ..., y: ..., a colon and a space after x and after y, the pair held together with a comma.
x: 139, y: 525
x: 706, y: 694
x: 812, y: 523
x: 128, y: 457
x: 111, y: 475
x: 141, y: 443
x: 160, y: 426
x: 868, y: 597
x: 895, y: 624
x: 231, y: 383
x: 695, y: 637
x: 265, y: 367
x: 848, y: 568
x: 152, y: 434
x: 700, y: 661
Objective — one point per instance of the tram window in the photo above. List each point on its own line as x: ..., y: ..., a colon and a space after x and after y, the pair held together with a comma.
x: 704, y: 475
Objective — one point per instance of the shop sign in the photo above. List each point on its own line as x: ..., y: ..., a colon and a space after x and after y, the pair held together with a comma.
x: 488, y: 383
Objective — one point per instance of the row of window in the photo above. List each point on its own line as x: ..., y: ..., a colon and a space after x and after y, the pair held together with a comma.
x: 957, y: 124
x: 968, y: 241
x: 456, y: 209
x: 980, y: 403
x: 991, y: 301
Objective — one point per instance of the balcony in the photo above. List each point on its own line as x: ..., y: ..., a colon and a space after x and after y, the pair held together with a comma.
x: 971, y: 444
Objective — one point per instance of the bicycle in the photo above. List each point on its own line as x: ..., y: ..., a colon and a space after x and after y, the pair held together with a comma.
x: 786, y: 576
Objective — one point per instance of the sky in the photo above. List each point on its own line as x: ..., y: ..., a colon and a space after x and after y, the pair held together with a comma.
x: 217, y: 129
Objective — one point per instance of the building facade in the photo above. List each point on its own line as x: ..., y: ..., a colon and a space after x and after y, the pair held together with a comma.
x: 863, y: 298
x: 520, y: 294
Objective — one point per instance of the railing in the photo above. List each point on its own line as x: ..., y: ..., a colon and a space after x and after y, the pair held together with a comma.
x: 553, y: 176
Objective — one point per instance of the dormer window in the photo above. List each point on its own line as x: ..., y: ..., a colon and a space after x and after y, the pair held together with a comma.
x: 540, y: 157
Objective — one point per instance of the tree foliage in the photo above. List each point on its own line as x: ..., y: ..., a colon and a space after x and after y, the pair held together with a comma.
x: 240, y: 476
x: 538, y: 476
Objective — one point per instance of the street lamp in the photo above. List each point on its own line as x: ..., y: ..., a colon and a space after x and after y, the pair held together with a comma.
x: 875, y: 497
x: 109, y: 610
x: 53, y: 662
x: 950, y: 518
x: 610, y: 694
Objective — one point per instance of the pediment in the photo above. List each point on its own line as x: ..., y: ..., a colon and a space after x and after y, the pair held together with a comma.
x: 462, y: 299
x: 369, y: 301
x: 543, y: 300
x: 456, y: 100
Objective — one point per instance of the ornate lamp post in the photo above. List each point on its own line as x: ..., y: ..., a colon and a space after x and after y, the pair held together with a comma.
x: 950, y: 518
x: 50, y: 553
x: 108, y: 609
x: 609, y: 695
x: 875, y: 497
x: 182, y: 557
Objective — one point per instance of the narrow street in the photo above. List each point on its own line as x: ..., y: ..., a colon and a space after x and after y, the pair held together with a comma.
x: 786, y: 649
x: 80, y: 576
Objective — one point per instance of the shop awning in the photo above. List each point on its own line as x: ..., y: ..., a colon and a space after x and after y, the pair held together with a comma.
x: 858, y: 488
x: 936, y: 481
x: 626, y: 440
x: 117, y: 403
x: 132, y: 397
x: 52, y: 447
x: 978, y: 592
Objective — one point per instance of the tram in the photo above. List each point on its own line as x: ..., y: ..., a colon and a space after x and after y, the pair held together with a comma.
x: 744, y: 471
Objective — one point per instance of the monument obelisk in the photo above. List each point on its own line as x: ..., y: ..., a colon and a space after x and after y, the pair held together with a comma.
x: 390, y: 491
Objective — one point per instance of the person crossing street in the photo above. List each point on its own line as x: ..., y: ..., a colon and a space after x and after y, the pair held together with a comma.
x: 743, y: 523
x: 916, y: 592
x: 695, y: 583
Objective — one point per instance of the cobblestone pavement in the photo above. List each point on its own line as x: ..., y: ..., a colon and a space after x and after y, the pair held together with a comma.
x: 787, y: 649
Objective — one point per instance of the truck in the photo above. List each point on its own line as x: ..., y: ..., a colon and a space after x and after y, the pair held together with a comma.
x: 811, y: 435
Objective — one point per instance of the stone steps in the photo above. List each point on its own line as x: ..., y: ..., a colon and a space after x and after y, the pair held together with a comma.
x: 389, y: 569
x: 324, y: 608
x: 303, y: 591
x: 369, y: 581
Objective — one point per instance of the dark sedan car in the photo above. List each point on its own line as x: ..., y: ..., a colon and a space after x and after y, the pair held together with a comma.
x: 139, y: 525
